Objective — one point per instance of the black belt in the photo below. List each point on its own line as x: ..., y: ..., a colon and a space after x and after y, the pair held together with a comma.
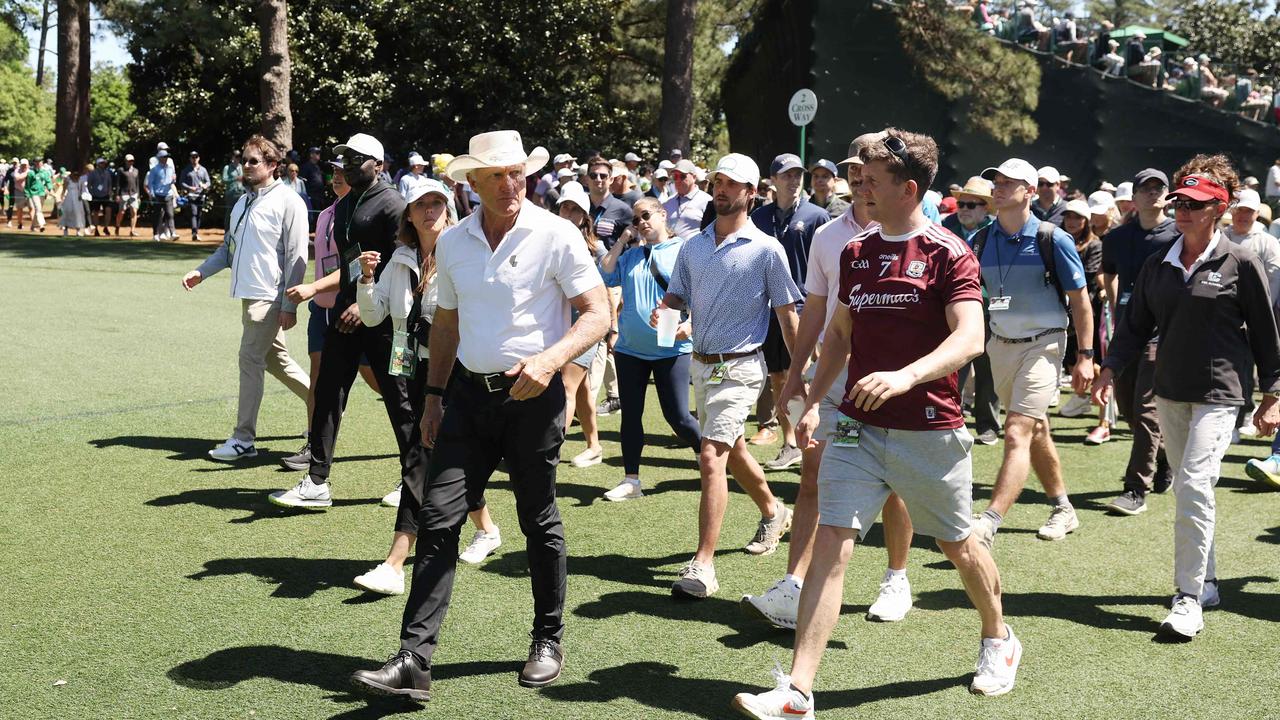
x: 492, y: 382
x: 715, y: 358
x: 1019, y: 341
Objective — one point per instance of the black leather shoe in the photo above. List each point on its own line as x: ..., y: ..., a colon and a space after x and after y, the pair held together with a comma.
x: 546, y: 658
x: 402, y: 675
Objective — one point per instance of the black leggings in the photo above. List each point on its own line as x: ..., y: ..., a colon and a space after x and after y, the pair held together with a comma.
x: 671, y: 375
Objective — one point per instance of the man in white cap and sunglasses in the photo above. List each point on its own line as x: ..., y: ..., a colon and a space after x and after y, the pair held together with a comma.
x: 366, y: 218
x: 507, y: 276
x: 731, y: 277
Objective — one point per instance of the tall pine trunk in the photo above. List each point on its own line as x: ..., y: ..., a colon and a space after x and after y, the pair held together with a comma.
x: 676, y: 118
x: 274, y: 72
x: 45, y: 13
x: 71, y: 142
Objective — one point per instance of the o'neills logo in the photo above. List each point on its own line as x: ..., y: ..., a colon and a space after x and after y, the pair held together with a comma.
x: 880, y: 301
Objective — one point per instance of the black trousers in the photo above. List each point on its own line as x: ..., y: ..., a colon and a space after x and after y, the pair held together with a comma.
x: 671, y: 376
x: 339, y: 364
x: 195, y: 206
x: 1136, y: 400
x: 481, y: 428
x: 414, y: 458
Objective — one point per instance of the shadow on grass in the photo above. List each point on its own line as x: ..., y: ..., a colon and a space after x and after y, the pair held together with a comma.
x: 297, y: 578
x: 1095, y: 610
x: 327, y: 671
x: 1270, y: 535
x: 250, y: 500
x: 29, y: 247
x: 659, y: 686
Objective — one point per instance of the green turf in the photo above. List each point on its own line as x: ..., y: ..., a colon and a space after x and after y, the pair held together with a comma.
x: 158, y: 584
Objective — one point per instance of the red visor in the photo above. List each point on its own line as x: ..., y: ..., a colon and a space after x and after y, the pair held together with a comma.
x: 1199, y: 187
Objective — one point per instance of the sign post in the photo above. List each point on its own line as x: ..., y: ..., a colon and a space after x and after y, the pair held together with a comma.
x: 801, y: 109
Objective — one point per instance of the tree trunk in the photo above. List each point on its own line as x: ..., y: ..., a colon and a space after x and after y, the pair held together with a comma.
x: 676, y: 118
x: 71, y: 142
x: 274, y: 72
x: 45, y: 14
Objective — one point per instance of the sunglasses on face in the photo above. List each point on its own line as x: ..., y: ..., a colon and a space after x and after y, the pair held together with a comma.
x: 598, y: 176
x: 1045, y: 184
x: 642, y: 217
x: 354, y: 159
x: 254, y: 161
x: 677, y: 174
x: 971, y: 205
x: 1192, y: 205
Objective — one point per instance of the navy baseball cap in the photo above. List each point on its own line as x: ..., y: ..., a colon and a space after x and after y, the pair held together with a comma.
x: 825, y: 164
x: 785, y: 162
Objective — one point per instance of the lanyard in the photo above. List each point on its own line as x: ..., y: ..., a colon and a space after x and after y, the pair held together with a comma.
x: 347, y: 234
x: 1003, y: 272
x: 252, y: 197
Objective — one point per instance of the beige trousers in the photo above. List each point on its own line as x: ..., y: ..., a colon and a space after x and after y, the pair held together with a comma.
x: 262, y: 348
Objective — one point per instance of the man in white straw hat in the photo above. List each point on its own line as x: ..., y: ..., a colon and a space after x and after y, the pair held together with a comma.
x: 507, y: 276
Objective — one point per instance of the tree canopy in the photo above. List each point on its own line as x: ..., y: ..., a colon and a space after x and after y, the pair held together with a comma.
x: 26, y: 111
x: 1241, y: 33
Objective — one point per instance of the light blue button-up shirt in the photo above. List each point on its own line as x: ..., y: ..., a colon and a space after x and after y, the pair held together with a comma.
x: 1011, y: 266
x: 730, y: 289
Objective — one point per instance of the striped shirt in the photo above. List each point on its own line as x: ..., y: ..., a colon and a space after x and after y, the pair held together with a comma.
x: 729, y: 289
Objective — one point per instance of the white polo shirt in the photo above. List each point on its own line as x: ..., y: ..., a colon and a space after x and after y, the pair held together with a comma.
x: 824, y: 259
x: 512, y: 302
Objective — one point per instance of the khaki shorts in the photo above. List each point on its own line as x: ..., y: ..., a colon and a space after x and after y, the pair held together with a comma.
x: 723, y: 409
x: 1026, y: 374
x: 931, y: 470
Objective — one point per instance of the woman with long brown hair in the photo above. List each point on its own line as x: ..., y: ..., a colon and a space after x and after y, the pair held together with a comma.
x: 406, y: 291
x: 1078, y: 221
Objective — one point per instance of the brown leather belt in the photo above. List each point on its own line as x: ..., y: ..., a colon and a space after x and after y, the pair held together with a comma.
x: 721, y: 357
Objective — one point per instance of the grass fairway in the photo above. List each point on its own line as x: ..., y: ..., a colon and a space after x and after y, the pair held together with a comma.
x: 158, y: 584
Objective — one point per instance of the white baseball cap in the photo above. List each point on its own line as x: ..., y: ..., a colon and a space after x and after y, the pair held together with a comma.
x: 1101, y: 202
x: 1249, y: 199
x: 562, y: 158
x: 738, y: 168
x: 363, y: 144
x: 416, y: 159
x: 565, y: 172
x: 1079, y: 207
x: 574, y: 192
x: 1016, y: 169
x: 128, y: 156
x: 666, y: 165
x: 631, y: 157
x: 660, y: 174
x: 1050, y: 173
x: 432, y: 186
x: 1124, y: 191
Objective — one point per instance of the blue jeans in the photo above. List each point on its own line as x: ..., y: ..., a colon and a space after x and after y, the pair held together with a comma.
x: 671, y: 376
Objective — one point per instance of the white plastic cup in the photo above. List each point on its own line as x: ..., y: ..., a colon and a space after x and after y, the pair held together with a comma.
x: 668, y: 321
x: 795, y: 410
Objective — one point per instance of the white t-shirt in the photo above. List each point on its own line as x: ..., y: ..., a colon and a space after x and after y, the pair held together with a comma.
x: 1273, y: 178
x: 824, y: 258
x: 512, y: 302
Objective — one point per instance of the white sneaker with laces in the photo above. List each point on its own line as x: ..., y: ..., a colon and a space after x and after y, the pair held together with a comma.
x: 588, y: 457
x: 779, y: 605
x: 626, y: 490
x: 781, y: 703
x: 392, y: 499
x: 1062, y: 521
x: 481, y: 546
x: 997, y: 665
x: 233, y: 450
x: 1075, y: 407
x: 384, y: 580
x: 894, y: 600
x: 305, y: 494
x: 696, y: 580
x: 1186, y: 620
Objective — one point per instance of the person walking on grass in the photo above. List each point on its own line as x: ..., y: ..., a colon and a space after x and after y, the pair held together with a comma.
x: 127, y: 194
x: 265, y: 248
x: 160, y: 185
x: 731, y: 278
x: 507, y: 277
x: 900, y: 428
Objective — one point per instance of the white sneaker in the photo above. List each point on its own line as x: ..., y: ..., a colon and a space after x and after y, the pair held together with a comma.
x: 984, y: 529
x: 769, y: 531
x: 696, y: 581
x: 779, y: 605
x: 1248, y: 430
x: 384, y: 580
x: 1209, y: 596
x: 392, y: 499
x: 233, y: 450
x: 626, y: 490
x: 997, y: 665
x: 894, y: 600
x: 481, y: 546
x: 1076, y: 407
x: 588, y: 457
x: 781, y: 703
x: 1062, y: 520
x: 1186, y: 620
x: 305, y: 494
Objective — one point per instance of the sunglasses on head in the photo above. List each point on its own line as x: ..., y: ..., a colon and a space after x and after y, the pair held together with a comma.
x: 1192, y: 205
x: 896, y: 146
x: 971, y: 205
x: 644, y: 216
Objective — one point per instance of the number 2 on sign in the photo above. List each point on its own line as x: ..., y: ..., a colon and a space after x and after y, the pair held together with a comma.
x: 884, y: 266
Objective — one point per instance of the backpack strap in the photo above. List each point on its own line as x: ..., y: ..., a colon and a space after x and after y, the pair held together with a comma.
x: 653, y: 269
x: 1044, y: 244
x: 979, y: 243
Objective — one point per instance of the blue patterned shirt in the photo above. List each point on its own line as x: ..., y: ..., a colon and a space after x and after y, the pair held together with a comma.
x: 731, y: 289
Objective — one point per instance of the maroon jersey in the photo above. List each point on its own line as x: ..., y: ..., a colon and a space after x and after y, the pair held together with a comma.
x: 896, y: 291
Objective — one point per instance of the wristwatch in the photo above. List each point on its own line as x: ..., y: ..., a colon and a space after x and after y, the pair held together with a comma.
x: 1085, y: 352
x: 433, y: 390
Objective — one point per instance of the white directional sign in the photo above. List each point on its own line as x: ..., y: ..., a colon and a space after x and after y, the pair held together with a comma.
x: 802, y: 108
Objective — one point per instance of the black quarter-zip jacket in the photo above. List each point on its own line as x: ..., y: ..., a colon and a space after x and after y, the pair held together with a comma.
x: 1214, y: 328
